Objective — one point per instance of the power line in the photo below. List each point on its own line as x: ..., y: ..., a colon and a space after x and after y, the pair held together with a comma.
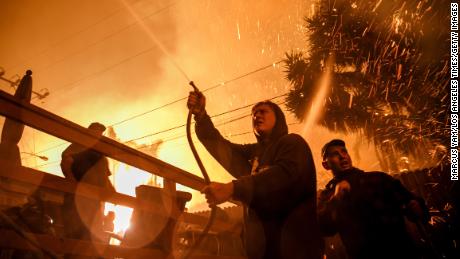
x: 165, y: 105
x: 205, y: 90
x: 225, y: 136
x: 244, y: 75
x: 181, y: 99
x: 47, y: 164
x: 69, y: 85
x: 216, y: 125
x: 223, y: 123
x: 141, y: 53
x: 164, y: 141
x: 179, y: 126
x: 52, y: 147
x: 214, y: 116
x: 107, y: 37
x: 248, y: 132
x: 152, y: 110
x: 247, y: 106
x: 101, y: 40
x: 67, y: 38
x: 156, y: 133
x: 72, y: 85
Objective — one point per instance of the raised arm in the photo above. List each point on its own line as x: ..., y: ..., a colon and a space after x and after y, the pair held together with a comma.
x: 233, y: 157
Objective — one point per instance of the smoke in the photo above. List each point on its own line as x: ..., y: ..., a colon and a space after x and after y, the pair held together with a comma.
x: 100, y: 64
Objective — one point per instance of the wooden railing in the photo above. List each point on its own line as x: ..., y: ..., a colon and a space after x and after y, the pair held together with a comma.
x: 52, y: 124
x: 56, y: 183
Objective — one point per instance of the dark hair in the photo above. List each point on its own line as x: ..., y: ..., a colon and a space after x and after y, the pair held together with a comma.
x: 97, y: 126
x: 334, y: 142
x: 280, y: 127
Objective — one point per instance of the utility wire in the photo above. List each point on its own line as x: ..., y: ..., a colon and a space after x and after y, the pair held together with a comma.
x: 159, y: 132
x: 104, y: 38
x: 52, y: 147
x: 204, y: 90
x: 176, y: 101
x: 176, y: 127
x: 244, y: 75
x: 225, y: 136
x: 181, y: 136
x: 69, y: 37
x: 74, y: 84
x: 182, y: 125
x: 167, y: 140
x: 114, y: 65
x: 217, y: 115
x: 47, y: 164
x: 221, y: 124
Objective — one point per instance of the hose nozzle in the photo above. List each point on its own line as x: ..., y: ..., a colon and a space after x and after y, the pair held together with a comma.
x: 194, y: 86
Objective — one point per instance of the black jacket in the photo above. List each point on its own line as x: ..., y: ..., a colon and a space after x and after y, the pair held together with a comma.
x: 280, y: 194
x: 370, y: 218
x: 80, y: 212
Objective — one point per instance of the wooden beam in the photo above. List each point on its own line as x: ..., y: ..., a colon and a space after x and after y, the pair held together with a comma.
x: 10, y: 239
x: 52, y: 124
x: 207, y: 256
x: 53, y: 182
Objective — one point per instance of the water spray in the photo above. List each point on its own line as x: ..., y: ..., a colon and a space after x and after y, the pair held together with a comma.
x: 207, y: 180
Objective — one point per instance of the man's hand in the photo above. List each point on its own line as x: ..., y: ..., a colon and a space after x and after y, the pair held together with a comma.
x: 217, y: 193
x: 196, y: 103
x: 341, y: 189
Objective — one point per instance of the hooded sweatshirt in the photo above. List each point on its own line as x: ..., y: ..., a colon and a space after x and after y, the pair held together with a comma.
x: 370, y: 217
x: 278, y: 191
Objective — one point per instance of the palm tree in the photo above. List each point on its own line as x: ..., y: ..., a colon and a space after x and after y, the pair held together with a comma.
x: 390, y: 77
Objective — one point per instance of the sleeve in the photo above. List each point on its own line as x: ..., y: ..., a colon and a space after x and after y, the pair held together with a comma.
x: 233, y: 157
x: 405, y: 196
x: 399, y: 190
x: 289, y: 178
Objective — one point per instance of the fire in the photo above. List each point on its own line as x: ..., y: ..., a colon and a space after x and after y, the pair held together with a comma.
x: 122, y: 217
x: 125, y: 179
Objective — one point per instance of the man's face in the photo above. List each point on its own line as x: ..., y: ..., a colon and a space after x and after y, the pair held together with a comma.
x: 337, y: 159
x: 263, y: 119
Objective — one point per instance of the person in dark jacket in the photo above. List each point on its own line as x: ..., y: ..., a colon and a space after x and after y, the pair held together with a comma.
x: 367, y: 209
x: 275, y: 180
x: 83, y: 217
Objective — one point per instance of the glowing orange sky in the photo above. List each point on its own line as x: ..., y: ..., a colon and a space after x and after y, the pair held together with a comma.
x: 100, y: 64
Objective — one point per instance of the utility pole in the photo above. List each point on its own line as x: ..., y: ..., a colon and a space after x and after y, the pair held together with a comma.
x: 14, y: 84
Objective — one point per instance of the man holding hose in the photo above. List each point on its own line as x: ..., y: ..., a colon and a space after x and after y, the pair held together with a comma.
x: 275, y: 180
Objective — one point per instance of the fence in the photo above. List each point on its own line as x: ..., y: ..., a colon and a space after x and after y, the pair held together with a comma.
x: 17, y: 181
